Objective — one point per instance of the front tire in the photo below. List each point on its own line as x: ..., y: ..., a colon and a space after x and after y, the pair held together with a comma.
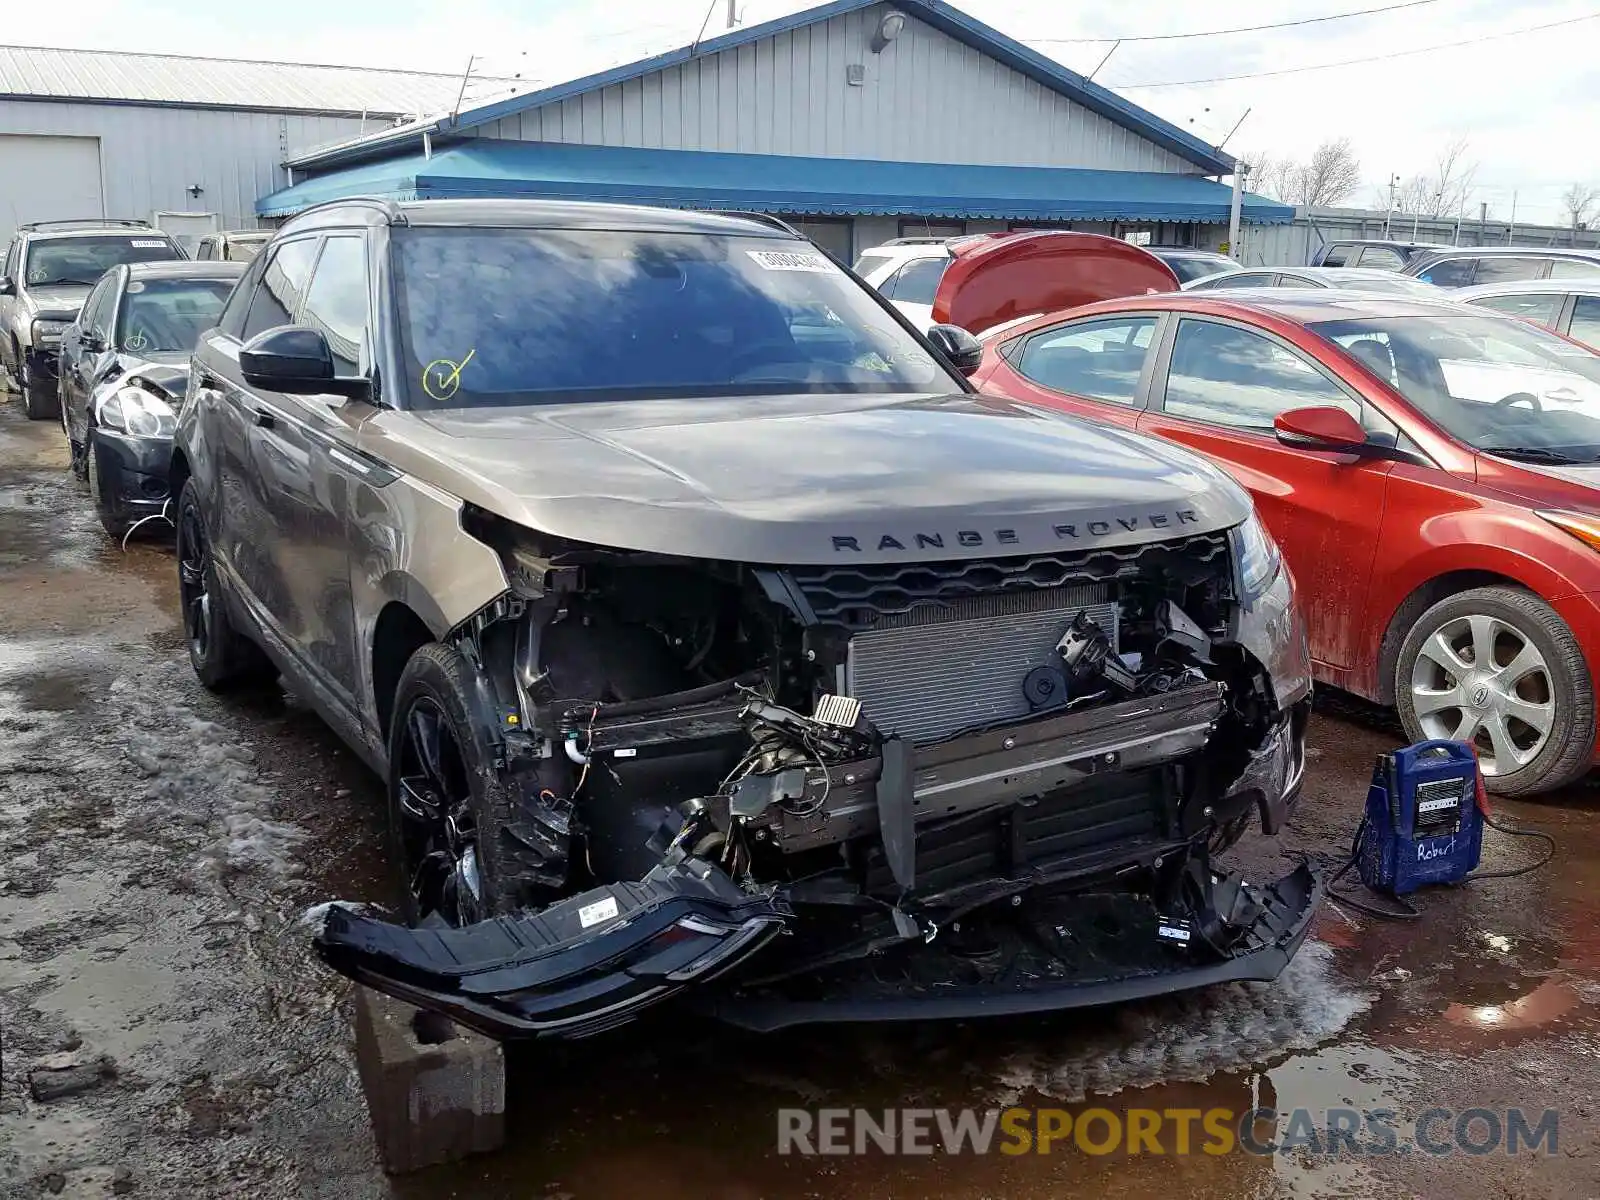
x: 107, y: 506
x: 1498, y: 668
x: 460, y: 841
x: 222, y: 657
x: 42, y: 397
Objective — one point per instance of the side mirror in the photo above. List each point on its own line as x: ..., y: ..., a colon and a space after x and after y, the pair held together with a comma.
x: 8, y: 286
x: 1323, y: 427
x: 93, y: 342
x: 296, y: 360
x: 963, y: 350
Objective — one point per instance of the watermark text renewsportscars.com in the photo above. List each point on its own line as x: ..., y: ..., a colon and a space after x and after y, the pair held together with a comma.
x: 1166, y: 1131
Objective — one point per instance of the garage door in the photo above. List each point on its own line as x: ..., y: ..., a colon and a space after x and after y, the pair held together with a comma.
x: 47, y: 179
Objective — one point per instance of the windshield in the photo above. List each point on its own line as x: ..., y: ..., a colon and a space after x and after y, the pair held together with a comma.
x: 83, y: 260
x: 519, y: 316
x: 169, y: 314
x: 1496, y: 383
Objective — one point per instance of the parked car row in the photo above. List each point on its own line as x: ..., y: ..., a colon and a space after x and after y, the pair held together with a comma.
x: 46, y: 272
x: 1461, y: 266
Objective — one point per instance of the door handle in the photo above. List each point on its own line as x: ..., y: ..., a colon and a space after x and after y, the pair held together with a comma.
x: 265, y: 419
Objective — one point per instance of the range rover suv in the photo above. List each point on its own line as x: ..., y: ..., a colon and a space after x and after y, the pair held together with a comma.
x: 45, y: 276
x: 715, y: 637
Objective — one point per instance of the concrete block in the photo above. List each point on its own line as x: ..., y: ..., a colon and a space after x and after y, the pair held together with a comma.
x: 436, y: 1091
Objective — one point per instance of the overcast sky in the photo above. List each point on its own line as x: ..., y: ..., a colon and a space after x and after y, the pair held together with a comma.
x: 1529, y: 104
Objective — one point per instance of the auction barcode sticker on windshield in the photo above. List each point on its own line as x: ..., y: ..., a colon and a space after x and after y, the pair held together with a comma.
x: 148, y: 243
x: 788, y: 260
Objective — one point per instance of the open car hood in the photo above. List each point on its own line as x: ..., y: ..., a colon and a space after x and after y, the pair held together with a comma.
x: 1005, y: 276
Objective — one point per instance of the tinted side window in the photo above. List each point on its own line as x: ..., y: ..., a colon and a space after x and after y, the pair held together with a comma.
x: 1338, y: 255
x: 1101, y: 360
x: 919, y: 279
x: 97, y: 308
x: 336, y: 301
x: 10, y: 268
x: 1249, y: 279
x: 1449, y: 272
x: 1380, y: 256
x: 208, y: 249
x: 1231, y: 376
x: 1574, y: 268
x: 1543, y: 309
x: 1506, y: 269
x: 231, y: 322
x: 282, y: 284
x: 1586, y: 321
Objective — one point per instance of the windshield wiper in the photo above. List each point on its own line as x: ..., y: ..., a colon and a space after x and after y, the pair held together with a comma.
x: 59, y: 282
x: 1540, y: 454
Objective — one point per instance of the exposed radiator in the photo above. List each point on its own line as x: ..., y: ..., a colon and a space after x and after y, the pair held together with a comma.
x: 935, y: 671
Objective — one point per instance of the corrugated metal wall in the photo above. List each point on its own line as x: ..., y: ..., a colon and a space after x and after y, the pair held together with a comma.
x: 926, y: 98
x: 149, y: 155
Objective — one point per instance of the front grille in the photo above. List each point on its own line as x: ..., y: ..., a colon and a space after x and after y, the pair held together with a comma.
x: 934, y: 672
x: 860, y: 596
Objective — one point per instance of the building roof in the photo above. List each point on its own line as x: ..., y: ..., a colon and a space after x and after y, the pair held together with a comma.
x: 105, y: 76
x: 776, y: 183
x: 949, y: 20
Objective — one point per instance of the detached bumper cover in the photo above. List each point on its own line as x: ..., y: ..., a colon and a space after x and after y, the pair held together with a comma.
x: 575, y: 968
x: 550, y: 974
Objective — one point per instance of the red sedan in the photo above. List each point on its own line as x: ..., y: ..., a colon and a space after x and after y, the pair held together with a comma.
x: 1430, y: 471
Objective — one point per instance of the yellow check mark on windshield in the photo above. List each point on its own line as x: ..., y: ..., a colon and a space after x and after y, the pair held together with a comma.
x: 441, y: 378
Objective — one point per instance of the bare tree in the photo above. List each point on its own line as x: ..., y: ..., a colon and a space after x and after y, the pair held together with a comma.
x: 1330, y: 175
x: 1577, y: 202
x: 1442, y: 191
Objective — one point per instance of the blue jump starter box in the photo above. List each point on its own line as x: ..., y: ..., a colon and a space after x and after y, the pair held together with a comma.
x: 1424, y: 818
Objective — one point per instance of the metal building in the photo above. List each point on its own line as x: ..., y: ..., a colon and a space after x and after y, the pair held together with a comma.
x: 189, y: 143
x: 859, y: 121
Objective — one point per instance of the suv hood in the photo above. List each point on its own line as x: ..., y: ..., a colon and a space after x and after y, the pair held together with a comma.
x: 60, y: 302
x: 813, y: 479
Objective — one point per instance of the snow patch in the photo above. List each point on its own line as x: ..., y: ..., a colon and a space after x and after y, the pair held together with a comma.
x: 201, y: 776
x: 315, y: 916
x: 1191, y: 1037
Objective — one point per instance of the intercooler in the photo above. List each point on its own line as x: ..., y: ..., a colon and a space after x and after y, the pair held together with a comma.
x: 935, y: 671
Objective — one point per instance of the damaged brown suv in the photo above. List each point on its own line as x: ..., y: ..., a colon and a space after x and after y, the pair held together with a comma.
x: 716, y: 639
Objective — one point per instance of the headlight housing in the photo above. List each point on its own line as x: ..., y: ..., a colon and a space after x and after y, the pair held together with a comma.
x: 1256, y: 557
x: 139, y: 413
x: 49, y: 331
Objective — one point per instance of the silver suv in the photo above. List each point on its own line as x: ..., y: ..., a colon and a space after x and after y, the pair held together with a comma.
x: 686, y: 597
x: 45, y: 276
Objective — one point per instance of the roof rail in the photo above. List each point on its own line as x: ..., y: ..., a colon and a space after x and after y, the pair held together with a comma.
x: 389, y: 208
x: 919, y: 241
x: 68, y: 223
x: 764, y: 217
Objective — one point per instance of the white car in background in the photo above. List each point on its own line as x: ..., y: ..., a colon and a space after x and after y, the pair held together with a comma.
x: 906, y: 271
x: 1352, y: 279
x: 1568, y: 306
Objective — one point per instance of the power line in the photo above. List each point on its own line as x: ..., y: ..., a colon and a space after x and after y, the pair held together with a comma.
x: 1352, y: 62
x: 1175, y: 37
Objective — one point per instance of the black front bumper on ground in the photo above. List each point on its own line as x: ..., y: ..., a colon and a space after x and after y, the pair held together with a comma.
x: 133, y: 472
x: 1027, y: 933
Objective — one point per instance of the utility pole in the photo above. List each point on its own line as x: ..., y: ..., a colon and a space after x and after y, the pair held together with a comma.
x: 1394, y: 183
x: 1511, y: 229
x: 1240, y: 171
x: 1483, y: 222
x: 733, y: 13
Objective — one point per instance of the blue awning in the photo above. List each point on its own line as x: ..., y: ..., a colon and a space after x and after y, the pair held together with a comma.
x: 777, y: 183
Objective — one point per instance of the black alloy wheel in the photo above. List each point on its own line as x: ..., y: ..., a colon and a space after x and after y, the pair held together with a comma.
x: 434, y: 818
x: 221, y: 656
x: 194, y: 569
